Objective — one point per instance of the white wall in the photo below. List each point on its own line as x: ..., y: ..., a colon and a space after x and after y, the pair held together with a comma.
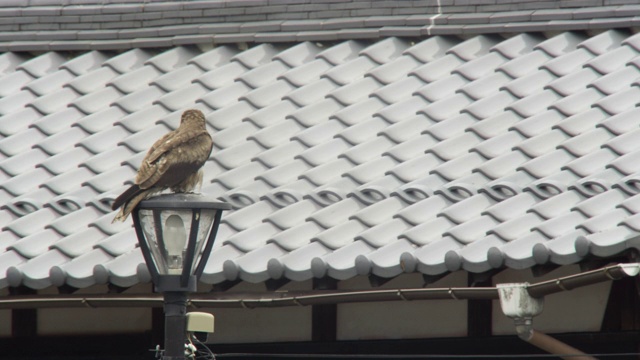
x: 578, y: 310
x: 262, y: 324
x: 403, y: 319
x: 76, y: 321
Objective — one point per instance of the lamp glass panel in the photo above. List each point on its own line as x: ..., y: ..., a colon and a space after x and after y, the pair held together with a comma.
x: 207, y: 217
x: 168, y: 240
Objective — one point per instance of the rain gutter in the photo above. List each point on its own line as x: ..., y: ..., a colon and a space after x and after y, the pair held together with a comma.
x: 317, y: 297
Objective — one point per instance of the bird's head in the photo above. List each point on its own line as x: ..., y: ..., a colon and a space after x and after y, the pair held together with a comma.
x: 192, y: 117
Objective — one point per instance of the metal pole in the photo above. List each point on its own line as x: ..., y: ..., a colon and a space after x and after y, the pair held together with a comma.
x: 175, y: 321
x: 554, y: 346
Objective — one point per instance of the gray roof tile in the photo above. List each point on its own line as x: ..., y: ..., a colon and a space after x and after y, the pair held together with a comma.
x: 65, y: 161
x: 135, y: 80
x: 340, y: 159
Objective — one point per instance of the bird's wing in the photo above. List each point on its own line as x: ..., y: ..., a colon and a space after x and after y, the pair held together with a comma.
x: 182, y: 151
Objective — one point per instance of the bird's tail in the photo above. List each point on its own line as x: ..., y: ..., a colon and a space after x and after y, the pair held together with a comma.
x: 127, y: 203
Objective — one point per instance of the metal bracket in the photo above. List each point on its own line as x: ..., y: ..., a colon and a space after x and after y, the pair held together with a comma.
x: 516, y: 302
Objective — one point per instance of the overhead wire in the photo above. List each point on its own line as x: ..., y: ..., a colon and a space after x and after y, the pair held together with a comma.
x: 415, y: 356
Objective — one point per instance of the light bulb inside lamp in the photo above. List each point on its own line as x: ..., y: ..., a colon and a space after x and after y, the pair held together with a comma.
x: 175, y: 237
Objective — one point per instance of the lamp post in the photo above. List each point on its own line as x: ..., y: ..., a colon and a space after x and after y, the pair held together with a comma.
x: 176, y: 234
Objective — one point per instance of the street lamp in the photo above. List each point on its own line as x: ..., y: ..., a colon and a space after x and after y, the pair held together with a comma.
x: 176, y: 234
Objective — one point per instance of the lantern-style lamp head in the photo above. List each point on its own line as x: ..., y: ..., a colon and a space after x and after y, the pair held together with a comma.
x: 176, y: 234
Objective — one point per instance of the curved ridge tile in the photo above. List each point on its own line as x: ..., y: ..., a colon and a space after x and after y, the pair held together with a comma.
x: 15, y: 81
x: 35, y: 272
x: 292, y: 215
x: 458, y: 167
x: 385, y: 50
x: 35, y: 244
x: 516, y: 254
x: 384, y: 233
x: 173, y: 58
x: 617, y: 81
x: 340, y: 263
x: 542, y: 144
x: 296, y: 237
x: 383, y: 261
x: 135, y: 80
x: 78, y: 272
x: 122, y: 271
x: 214, y: 58
x: 69, y: 224
x: 586, y: 143
x: 529, y: 84
x: 222, y: 76
x: 253, y: 266
x: 42, y: 65
x: 22, y: 162
x: 627, y: 164
x: 263, y: 74
x: 503, y: 165
x: 625, y: 143
x: 471, y: 230
x: 562, y: 43
x: 296, y: 265
x: 486, y: 86
x: 431, y: 257
x: 379, y: 212
x: 606, y: 243
x: 619, y: 102
x: 57, y: 121
x: 252, y: 238
x: 49, y: 83
x: 306, y: 73
x: 17, y: 102
x: 9, y: 260
x: 481, y: 66
x: 118, y: 244
x: 437, y: 69
x: 581, y: 122
x: 96, y: 101
x: 79, y: 243
x: 26, y: 182
x: 92, y: 81
x: 518, y: 45
x: 516, y: 227
x: 356, y: 91
x: 256, y: 56
x: 128, y: 60
x: 16, y: 123
x: 447, y: 107
x: 474, y: 257
x: 68, y: 181
x: 438, y: 89
x: 272, y: 114
x: 490, y: 105
x: 592, y: 163
x: 604, y: 221
x: 341, y: 235
x: 395, y: 70
x: 604, y: 42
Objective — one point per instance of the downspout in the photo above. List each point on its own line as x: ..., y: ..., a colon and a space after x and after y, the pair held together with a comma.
x: 517, y: 304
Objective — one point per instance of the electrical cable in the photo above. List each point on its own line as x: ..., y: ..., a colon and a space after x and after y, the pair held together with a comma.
x: 208, y: 354
x: 413, y: 356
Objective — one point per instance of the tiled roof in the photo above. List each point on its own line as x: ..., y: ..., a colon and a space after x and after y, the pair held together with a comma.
x: 84, y: 25
x: 340, y: 159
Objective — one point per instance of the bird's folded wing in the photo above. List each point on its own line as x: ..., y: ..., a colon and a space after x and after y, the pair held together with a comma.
x: 182, y: 152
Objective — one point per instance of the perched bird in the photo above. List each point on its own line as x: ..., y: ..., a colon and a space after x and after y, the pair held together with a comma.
x: 174, y: 161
